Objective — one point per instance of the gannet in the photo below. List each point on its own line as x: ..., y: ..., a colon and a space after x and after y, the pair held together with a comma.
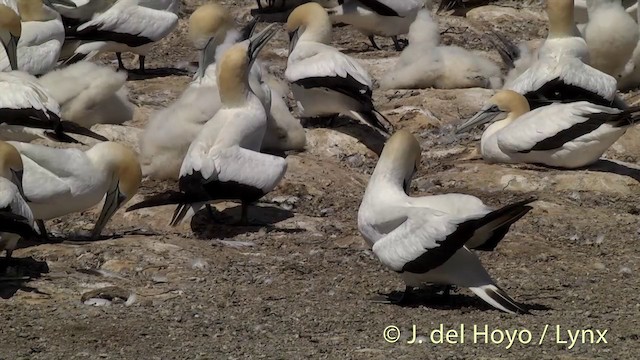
x: 378, y: 17
x: 41, y: 39
x: 560, y: 72
x: 16, y: 219
x: 26, y: 108
x: 571, y: 135
x: 427, y: 239
x: 89, y: 93
x: 167, y: 137
x: 123, y: 27
x: 165, y: 5
x: 424, y: 64
x: 581, y: 13
x: 611, y: 35
x: 324, y: 81
x: 58, y: 182
x: 223, y: 162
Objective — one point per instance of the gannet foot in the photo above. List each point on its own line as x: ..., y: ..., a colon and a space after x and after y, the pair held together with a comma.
x: 399, y: 44
x: 402, y: 299
x: 373, y: 42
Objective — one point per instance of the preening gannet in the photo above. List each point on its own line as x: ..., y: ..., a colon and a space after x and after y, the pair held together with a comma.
x: 424, y: 64
x: 41, y: 39
x: 58, y: 182
x: 223, y: 162
x: 611, y: 35
x: 26, y: 108
x: 378, y: 17
x: 16, y: 219
x: 560, y: 73
x: 123, y: 27
x: 427, y: 239
x: 90, y: 94
x: 569, y: 135
x: 324, y: 81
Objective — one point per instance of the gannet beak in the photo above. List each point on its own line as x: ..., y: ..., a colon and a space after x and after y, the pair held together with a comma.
x: 11, y: 47
x: 206, y: 57
x: 68, y: 3
x: 487, y: 114
x: 17, y: 179
x: 258, y: 41
x: 293, y: 39
x: 112, y: 202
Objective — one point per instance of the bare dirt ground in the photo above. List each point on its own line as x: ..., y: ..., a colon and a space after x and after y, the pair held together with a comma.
x: 301, y: 286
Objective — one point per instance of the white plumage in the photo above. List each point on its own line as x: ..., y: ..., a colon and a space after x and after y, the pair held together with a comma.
x: 90, y: 94
x: 424, y: 64
x: 425, y: 239
x: 378, y: 17
x: 165, y: 5
x: 581, y: 12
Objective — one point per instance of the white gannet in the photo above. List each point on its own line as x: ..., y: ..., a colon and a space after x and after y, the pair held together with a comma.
x: 324, y: 81
x: 611, y: 35
x: 123, y: 27
x: 41, y: 39
x: 581, y: 11
x: 560, y: 73
x: 378, y: 17
x: 89, y: 93
x: 427, y: 239
x: 223, y: 162
x: 58, y: 182
x: 26, y: 108
x: 424, y: 64
x: 16, y: 219
x: 170, y: 131
x: 571, y: 135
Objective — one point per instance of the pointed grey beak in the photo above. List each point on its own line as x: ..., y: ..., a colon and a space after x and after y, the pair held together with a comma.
x: 487, y: 114
x: 17, y: 179
x: 293, y: 40
x: 112, y: 203
x: 68, y: 3
x: 258, y: 41
x: 207, y: 57
x: 12, y: 51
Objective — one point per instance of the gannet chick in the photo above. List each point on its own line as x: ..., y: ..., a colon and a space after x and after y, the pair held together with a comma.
x: 607, y: 53
x: 16, y: 219
x: 58, y: 182
x: 581, y: 12
x: 378, y: 17
x: 324, y: 81
x: 424, y: 64
x: 27, y: 110
x: 560, y: 73
x: 223, y: 162
x: 570, y: 136
x: 426, y: 239
x: 90, y: 94
x: 123, y: 27
x: 41, y: 39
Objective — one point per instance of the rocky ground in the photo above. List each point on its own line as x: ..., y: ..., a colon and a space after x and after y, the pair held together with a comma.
x: 301, y: 286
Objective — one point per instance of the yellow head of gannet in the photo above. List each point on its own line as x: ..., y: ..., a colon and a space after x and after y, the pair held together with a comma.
x: 10, y: 31
x: 33, y: 10
x: 209, y: 23
x: 561, y: 23
x: 400, y: 158
x: 309, y: 19
x: 121, y: 164
x: 503, y: 102
x: 11, y: 167
x: 234, y: 67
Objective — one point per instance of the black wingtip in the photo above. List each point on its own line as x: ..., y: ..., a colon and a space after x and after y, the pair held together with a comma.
x: 510, y: 214
x: 502, y: 298
x: 446, y: 5
x: 61, y: 137
x: 166, y: 198
x: 16, y: 224
x: 73, y: 128
x: 378, y: 121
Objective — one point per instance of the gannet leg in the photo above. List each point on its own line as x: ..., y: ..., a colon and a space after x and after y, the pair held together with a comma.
x: 120, y: 63
x: 141, y: 60
x: 401, y: 300
x: 373, y: 42
x: 399, y: 44
x: 42, y: 230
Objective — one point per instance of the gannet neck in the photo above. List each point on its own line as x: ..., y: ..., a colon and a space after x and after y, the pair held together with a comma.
x: 233, y: 76
x: 399, y: 160
x: 311, y: 22
x: 561, y: 19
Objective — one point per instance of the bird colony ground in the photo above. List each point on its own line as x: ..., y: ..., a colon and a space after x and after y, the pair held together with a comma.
x: 301, y: 287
